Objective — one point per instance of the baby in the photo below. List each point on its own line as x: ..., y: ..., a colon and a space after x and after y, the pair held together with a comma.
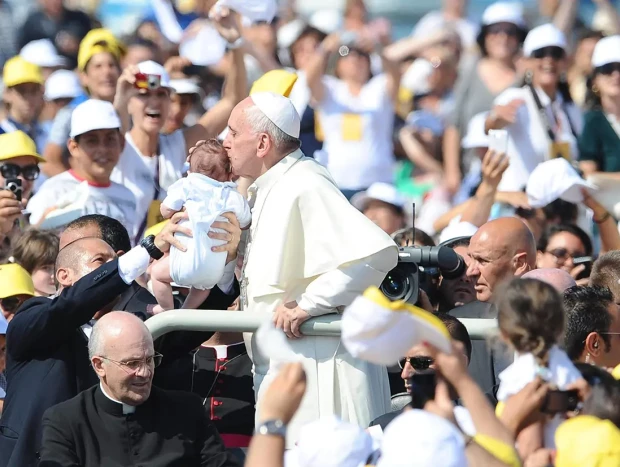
x: 206, y: 193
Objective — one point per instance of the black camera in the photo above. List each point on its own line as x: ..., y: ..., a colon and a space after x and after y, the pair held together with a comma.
x: 14, y: 185
x: 416, y: 269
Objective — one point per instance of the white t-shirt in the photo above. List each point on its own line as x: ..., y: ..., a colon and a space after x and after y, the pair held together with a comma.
x: 358, y: 133
x: 113, y: 200
x: 434, y: 21
x: 138, y: 172
x: 528, y: 141
x: 205, y: 200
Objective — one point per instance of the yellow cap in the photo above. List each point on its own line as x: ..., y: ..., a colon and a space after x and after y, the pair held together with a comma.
x: 155, y: 229
x: 277, y: 81
x: 616, y: 372
x: 16, y: 144
x: 19, y: 71
x: 97, y: 41
x: 587, y: 441
x: 14, y: 280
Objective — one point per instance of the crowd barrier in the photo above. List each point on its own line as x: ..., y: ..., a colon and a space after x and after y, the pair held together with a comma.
x: 247, y: 321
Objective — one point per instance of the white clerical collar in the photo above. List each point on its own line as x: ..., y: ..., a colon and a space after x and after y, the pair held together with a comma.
x: 273, y: 174
x: 127, y: 409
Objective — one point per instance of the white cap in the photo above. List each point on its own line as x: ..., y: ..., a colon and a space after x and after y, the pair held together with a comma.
x: 185, y: 86
x: 423, y: 439
x: 62, y: 84
x: 326, y: 21
x: 280, y: 110
x: 42, y: 53
x: 381, y: 192
x: 504, y: 12
x: 252, y: 11
x: 543, y: 36
x: 607, y: 50
x: 4, y: 324
x: 476, y: 137
x: 153, y: 68
x: 92, y: 115
x: 330, y: 442
x: 415, y: 79
x: 608, y: 192
x: 555, y: 179
x: 289, y: 33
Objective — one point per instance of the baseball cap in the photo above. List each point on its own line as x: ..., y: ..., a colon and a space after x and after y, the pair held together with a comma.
x: 153, y: 68
x: 587, y: 441
x: 19, y: 71
x: 15, y: 280
x: 381, y: 192
x: 276, y: 81
x: 607, y: 50
x: 555, y: 179
x: 62, y: 84
x: 185, y: 86
x: 290, y: 32
x: 326, y: 21
x: 504, y: 12
x: 16, y: 144
x: 543, y: 36
x: 280, y: 110
x: 42, y: 53
x: 92, y: 115
x: 97, y: 41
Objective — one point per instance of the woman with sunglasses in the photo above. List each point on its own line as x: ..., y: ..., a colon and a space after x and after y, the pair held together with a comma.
x: 599, y: 144
x: 541, y: 119
x: 560, y: 246
x: 502, y: 33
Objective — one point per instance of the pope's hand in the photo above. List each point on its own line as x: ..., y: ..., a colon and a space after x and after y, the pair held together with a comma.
x: 289, y: 317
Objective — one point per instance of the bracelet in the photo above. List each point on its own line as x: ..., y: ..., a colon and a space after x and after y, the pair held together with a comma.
x: 602, y: 219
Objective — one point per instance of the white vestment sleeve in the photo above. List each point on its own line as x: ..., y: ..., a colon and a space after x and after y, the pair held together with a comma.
x: 339, y: 288
x: 133, y: 264
x: 228, y: 278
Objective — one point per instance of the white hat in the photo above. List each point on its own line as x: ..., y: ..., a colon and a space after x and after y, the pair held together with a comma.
x: 185, y: 86
x: 420, y: 438
x: 4, y: 324
x: 280, y: 110
x: 607, y: 50
x: 252, y: 10
x: 504, y: 12
x: 381, y: 192
x: 62, y: 84
x: 543, y: 36
x: 42, y: 53
x: 415, y: 79
x: 608, y: 192
x: 194, y: 49
x: 330, y: 442
x: 555, y: 179
x: 92, y: 115
x: 326, y: 21
x: 476, y: 136
x: 381, y: 332
x: 289, y: 33
x: 153, y: 68
x: 456, y: 230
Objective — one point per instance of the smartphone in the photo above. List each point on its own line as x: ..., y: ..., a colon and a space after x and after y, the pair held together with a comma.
x: 560, y: 402
x: 144, y: 81
x: 587, y: 262
x: 14, y: 185
x: 423, y: 385
x: 498, y: 141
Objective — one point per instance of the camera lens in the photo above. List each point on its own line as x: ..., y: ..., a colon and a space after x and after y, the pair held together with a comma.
x: 395, y: 285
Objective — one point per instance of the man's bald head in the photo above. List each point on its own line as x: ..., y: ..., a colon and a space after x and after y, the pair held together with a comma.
x: 559, y: 279
x: 512, y: 236
x: 115, y: 328
x: 81, y: 257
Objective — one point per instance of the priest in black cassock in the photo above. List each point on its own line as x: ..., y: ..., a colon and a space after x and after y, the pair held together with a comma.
x: 124, y: 420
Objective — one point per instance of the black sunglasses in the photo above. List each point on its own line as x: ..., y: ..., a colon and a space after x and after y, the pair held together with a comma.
x: 418, y: 363
x: 508, y: 29
x: 557, y: 53
x: 30, y: 172
x: 608, y: 68
x: 10, y: 304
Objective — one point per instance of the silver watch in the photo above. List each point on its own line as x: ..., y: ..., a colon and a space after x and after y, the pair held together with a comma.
x: 272, y: 427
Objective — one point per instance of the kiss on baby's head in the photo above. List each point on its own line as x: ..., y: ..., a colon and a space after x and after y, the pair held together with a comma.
x: 209, y: 158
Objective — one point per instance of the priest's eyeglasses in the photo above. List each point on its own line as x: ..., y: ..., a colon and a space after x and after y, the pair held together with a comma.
x: 133, y: 366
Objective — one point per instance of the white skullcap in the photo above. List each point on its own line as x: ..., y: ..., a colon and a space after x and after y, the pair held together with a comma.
x: 42, y: 53
x: 289, y: 33
x: 280, y: 110
x: 504, y: 12
x: 476, y: 136
x: 326, y: 21
x: 420, y: 438
x: 607, y: 50
x: 555, y: 179
x: 62, y: 84
x: 380, y: 191
x: 92, y: 115
x: 415, y: 79
x: 330, y: 442
x: 543, y: 36
x: 153, y: 68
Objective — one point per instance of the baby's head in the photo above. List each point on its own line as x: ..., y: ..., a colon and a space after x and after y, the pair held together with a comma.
x: 530, y: 316
x: 209, y: 158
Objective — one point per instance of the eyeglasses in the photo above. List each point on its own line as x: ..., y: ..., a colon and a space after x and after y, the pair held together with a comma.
x: 30, y: 172
x: 508, y: 29
x: 133, y: 366
x: 562, y: 254
x: 608, y: 69
x: 418, y: 363
x: 557, y: 53
x: 10, y: 304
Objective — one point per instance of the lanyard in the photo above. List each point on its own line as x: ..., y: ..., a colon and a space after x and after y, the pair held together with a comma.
x: 545, y: 118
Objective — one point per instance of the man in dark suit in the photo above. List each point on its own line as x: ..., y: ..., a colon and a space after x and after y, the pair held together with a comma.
x: 124, y: 420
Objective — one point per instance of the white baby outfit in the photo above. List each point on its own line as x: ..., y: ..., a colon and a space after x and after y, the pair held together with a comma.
x: 205, y: 201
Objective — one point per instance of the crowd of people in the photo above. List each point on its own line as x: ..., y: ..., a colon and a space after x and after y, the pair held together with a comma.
x: 237, y: 155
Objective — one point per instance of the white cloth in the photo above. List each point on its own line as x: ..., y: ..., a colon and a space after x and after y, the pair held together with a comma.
x: 205, y: 200
x: 253, y: 10
x: 555, y: 179
x: 133, y: 264
x: 528, y: 141
x: 193, y: 48
x: 113, y: 200
x: 309, y: 245
x: 434, y: 21
x: 168, y: 23
x: 560, y: 371
x: 365, y: 154
x: 137, y: 171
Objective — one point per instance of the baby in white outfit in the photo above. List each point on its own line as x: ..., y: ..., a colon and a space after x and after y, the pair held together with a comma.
x: 206, y: 193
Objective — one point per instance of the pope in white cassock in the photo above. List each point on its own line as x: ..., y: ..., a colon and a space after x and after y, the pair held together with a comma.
x: 309, y: 253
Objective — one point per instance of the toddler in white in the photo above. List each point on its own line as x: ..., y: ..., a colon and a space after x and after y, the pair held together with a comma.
x: 206, y: 193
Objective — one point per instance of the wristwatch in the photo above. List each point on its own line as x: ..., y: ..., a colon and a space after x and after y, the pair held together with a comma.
x: 272, y: 427
x: 148, y: 243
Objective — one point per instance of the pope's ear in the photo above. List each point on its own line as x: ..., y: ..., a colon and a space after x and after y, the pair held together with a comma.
x: 264, y: 145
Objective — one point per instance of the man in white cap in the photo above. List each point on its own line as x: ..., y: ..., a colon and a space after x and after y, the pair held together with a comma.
x: 308, y: 253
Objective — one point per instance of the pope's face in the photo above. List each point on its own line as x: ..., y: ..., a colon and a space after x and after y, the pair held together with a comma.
x: 241, y: 143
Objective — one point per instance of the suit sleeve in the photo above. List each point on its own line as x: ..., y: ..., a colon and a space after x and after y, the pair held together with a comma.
x: 42, y: 324
x: 213, y: 453
x: 57, y: 446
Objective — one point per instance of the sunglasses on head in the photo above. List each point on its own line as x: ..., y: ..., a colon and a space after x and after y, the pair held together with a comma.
x: 557, y: 53
x: 30, y: 172
x: 608, y: 68
x: 10, y: 304
x: 508, y: 29
x: 418, y: 363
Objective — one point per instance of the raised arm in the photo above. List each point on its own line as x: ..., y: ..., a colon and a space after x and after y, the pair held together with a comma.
x: 316, y: 67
